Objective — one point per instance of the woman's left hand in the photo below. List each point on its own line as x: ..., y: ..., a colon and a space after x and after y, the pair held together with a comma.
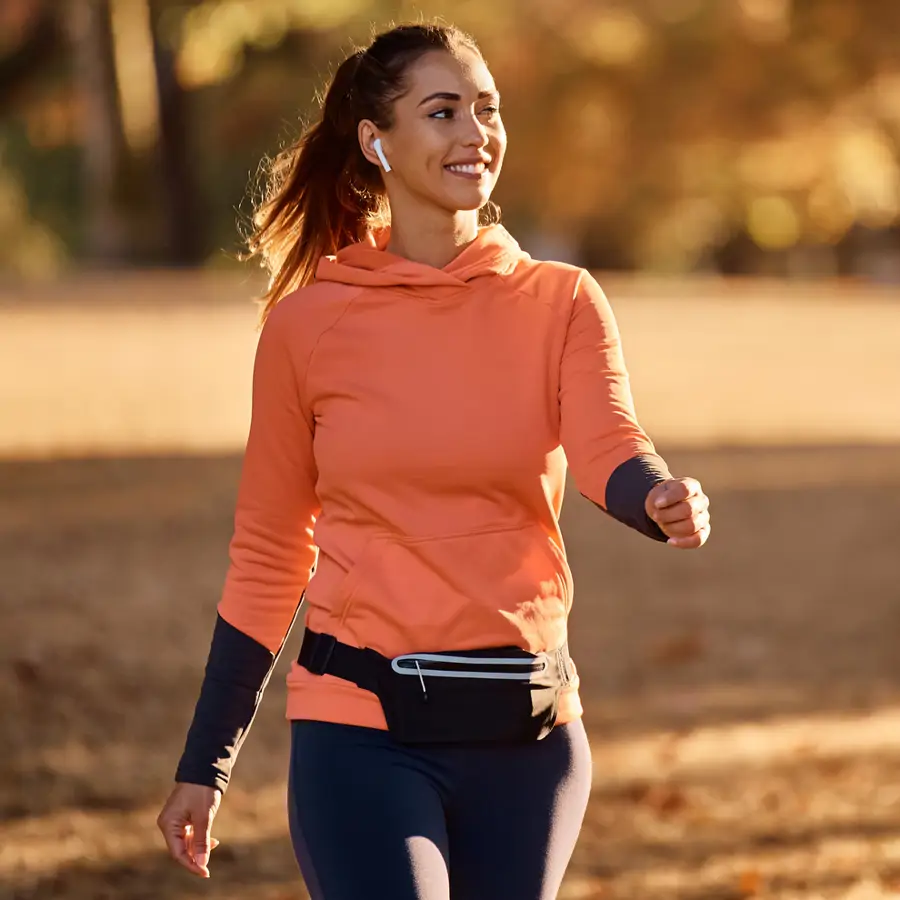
x: 681, y: 510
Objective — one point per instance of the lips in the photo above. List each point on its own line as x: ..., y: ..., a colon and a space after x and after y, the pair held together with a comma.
x: 468, y: 168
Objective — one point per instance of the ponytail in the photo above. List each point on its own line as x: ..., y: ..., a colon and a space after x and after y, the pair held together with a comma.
x: 318, y: 197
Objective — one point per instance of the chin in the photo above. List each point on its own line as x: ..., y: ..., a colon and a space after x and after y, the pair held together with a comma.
x: 468, y: 200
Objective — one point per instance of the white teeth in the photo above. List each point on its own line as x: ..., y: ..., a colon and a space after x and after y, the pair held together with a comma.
x: 469, y: 169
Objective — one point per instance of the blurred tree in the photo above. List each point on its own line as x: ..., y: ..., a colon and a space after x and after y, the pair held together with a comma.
x: 107, y: 227
x: 140, y: 194
x: 184, y: 222
x: 664, y: 134
x: 29, y: 37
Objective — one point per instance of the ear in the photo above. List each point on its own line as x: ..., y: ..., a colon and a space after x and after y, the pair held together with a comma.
x: 368, y: 134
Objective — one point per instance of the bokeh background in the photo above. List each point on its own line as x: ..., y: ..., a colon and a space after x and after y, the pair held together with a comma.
x: 730, y: 169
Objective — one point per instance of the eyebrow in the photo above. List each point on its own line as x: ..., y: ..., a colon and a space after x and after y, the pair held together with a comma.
x: 447, y: 95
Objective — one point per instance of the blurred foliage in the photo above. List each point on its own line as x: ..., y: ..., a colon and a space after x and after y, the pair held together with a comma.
x: 672, y: 135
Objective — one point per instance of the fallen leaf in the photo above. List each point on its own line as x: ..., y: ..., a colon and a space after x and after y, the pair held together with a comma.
x: 677, y: 650
x: 666, y: 799
x: 750, y: 883
x: 26, y: 672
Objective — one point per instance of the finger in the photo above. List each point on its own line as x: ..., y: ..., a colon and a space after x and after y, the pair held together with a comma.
x: 671, y: 492
x: 686, y: 509
x: 691, y: 542
x: 178, y: 837
x: 687, y: 527
x: 201, y: 843
x: 191, y: 847
x: 676, y: 490
x: 677, y: 513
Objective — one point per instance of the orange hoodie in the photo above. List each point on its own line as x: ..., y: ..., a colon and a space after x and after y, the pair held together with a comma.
x: 410, y: 434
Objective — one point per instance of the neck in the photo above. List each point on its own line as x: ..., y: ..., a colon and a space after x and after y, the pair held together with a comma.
x: 432, y: 239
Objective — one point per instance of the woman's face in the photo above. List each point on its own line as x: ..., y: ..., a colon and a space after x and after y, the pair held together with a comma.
x: 447, y: 142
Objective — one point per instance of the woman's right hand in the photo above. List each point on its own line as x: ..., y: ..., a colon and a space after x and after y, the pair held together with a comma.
x: 186, y: 822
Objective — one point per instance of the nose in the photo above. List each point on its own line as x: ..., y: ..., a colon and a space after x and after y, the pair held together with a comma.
x: 476, y: 135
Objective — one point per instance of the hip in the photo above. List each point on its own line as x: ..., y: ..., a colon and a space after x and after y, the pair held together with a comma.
x: 324, y: 698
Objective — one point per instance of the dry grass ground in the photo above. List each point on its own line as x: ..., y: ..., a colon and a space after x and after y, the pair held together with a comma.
x: 743, y: 701
x: 160, y: 362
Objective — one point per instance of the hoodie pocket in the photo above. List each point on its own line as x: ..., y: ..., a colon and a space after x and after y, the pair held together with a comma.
x: 347, y: 587
x: 492, y: 587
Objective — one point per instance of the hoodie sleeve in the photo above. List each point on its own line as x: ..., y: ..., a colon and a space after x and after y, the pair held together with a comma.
x: 271, y: 557
x: 613, y: 461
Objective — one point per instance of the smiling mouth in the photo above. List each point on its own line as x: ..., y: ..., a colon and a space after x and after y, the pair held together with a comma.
x: 471, y: 171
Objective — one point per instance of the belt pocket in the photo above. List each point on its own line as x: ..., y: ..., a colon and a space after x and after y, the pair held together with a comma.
x: 499, y: 695
x: 491, y: 695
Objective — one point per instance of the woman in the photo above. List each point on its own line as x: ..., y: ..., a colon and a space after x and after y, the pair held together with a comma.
x: 419, y: 387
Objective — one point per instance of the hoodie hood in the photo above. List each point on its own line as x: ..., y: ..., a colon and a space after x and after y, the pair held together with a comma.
x: 493, y: 252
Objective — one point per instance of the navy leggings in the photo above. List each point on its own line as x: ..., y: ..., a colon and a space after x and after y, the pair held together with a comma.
x: 371, y: 818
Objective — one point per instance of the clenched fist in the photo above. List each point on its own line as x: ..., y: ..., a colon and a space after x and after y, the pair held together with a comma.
x: 681, y: 510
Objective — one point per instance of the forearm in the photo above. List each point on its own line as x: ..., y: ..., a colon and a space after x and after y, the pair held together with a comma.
x: 627, y: 489
x: 237, y: 670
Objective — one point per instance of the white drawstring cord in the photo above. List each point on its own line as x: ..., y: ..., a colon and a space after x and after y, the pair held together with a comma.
x: 422, y: 680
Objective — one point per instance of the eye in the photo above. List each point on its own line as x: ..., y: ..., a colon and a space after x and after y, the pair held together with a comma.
x: 440, y: 114
x: 491, y: 111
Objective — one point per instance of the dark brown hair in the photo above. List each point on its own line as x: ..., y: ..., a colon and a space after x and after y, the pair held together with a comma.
x: 322, y: 193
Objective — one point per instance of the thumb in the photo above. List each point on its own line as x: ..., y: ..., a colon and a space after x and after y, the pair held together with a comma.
x: 656, y: 498
x: 670, y: 492
x: 202, y: 841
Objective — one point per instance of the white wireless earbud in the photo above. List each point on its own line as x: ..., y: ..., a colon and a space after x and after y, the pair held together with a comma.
x: 381, y: 156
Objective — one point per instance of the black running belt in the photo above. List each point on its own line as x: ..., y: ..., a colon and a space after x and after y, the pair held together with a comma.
x: 323, y: 654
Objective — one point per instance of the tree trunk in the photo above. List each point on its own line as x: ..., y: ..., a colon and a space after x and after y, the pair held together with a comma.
x: 183, y: 217
x: 107, y: 238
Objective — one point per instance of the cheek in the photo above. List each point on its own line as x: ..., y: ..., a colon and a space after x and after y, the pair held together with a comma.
x: 417, y: 150
x: 499, y: 142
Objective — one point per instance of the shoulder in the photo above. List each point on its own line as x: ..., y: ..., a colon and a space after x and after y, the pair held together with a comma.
x: 303, y: 316
x: 572, y: 293
x: 313, y: 306
x: 552, y: 282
